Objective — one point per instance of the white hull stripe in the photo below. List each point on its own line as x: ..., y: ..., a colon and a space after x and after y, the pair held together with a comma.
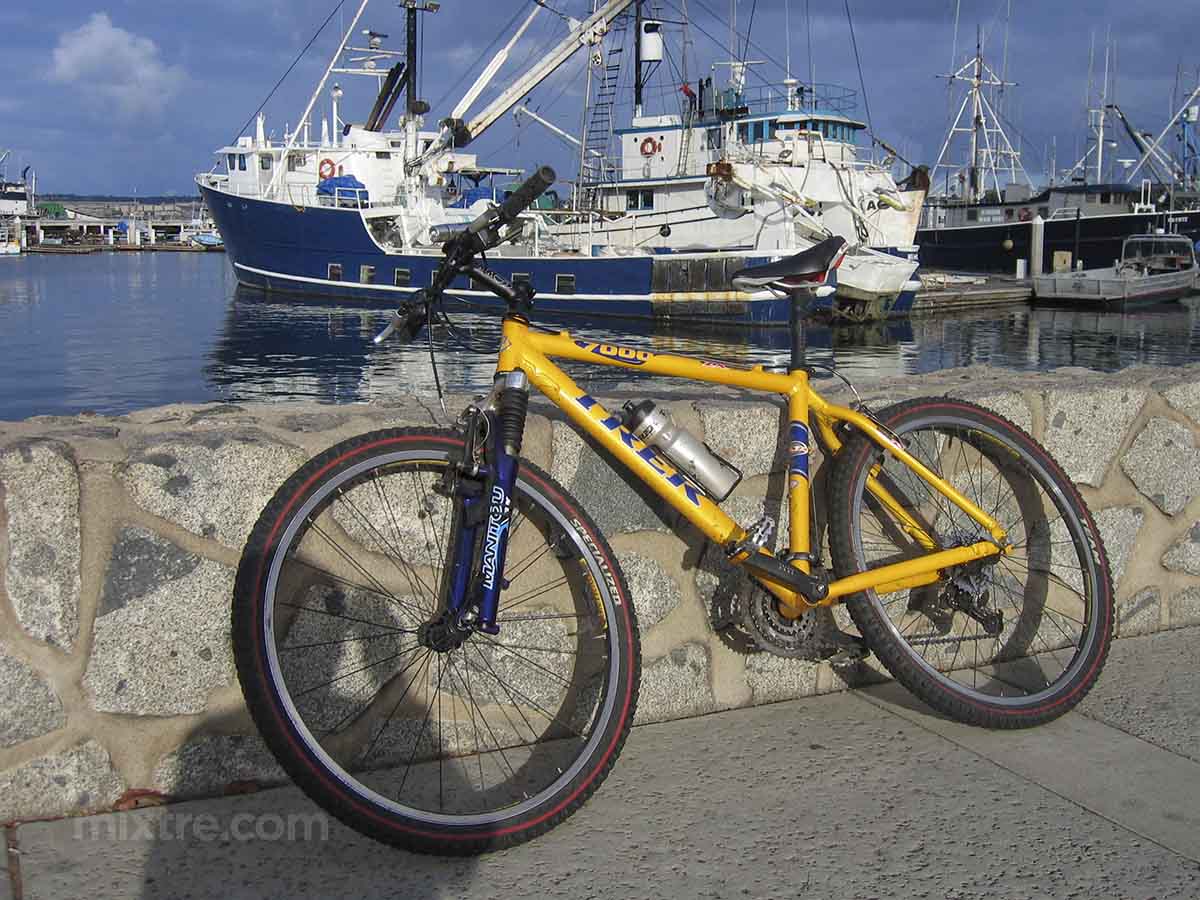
x: 646, y: 298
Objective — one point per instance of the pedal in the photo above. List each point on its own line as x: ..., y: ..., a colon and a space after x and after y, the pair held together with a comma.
x: 760, y: 534
x: 851, y: 650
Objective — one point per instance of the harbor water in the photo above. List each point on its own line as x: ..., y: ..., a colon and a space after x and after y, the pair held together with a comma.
x: 111, y: 332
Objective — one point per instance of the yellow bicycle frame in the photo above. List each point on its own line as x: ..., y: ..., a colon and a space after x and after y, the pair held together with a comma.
x: 530, y: 352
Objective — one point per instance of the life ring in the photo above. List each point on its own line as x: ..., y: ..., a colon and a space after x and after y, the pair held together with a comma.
x: 1025, y: 214
x: 649, y: 147
x: 326, y: 169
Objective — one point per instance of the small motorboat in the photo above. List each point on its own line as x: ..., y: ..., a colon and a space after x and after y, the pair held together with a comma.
x: 1153, y: 268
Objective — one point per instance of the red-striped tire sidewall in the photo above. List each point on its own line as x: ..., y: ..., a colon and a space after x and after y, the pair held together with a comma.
x: 873, y: 622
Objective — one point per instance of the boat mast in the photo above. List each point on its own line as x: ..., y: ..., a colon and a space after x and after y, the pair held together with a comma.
x: 273, y: 187
x: 639, y: 83
x: 989, y: 143
x: 976, y: 120
x: 583, y: 125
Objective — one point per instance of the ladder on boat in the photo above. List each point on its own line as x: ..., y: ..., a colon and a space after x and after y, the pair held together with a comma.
x: 596, y: 167
x: 685, y: 143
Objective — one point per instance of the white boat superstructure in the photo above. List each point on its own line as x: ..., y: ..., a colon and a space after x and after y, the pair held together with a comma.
x: 745, y: 173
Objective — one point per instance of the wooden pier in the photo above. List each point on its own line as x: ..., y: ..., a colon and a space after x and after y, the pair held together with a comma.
x: 958, y: 293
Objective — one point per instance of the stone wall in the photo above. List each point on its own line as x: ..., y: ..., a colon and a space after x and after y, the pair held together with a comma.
x: 119, y: 538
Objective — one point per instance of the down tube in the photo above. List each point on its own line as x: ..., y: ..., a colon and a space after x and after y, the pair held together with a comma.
x: 592, y: 417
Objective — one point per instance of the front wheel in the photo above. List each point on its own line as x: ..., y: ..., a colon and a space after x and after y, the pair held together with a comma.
x: 1009, y: 641
x: 431, y: 739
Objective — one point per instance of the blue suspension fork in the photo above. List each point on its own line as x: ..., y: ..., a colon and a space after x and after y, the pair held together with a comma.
x: 490, y: 508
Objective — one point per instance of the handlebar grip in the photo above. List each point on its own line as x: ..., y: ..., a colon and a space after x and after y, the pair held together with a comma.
x: 524, y: 196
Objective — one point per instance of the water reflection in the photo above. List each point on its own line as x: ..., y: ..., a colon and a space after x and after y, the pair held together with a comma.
x: 274, y: 348
x: 113, y: 332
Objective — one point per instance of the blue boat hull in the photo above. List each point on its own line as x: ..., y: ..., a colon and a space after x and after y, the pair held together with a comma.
x: 327, y: 252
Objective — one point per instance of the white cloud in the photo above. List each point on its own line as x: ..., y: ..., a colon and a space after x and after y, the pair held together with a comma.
x: 115, y: 68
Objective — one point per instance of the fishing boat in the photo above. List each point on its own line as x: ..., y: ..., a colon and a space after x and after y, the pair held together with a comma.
x: 1153, y: 268
x: 983, y: 207
x: 358, y: 212
x: 15, y: 207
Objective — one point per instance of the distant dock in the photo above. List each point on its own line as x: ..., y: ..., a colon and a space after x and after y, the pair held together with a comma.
x: 80, y: 234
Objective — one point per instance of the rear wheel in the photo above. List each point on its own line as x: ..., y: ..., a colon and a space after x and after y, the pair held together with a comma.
x: 410, y: 732
x: 1012, y: 640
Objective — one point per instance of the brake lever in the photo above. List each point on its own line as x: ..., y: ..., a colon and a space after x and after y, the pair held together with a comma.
x: 391, y: 327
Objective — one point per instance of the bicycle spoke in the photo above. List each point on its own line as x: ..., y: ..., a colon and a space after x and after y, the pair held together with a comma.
x: 352, y: 584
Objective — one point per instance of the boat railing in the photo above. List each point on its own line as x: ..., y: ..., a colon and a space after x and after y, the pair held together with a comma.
x: 1065, y: 212
x: 797, y: 97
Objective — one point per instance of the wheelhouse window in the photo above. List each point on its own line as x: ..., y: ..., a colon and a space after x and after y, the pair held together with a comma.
x: 335, y: 271
x: 296, y: 161
x: 639, y: 200
x: 231, y: 160
x: 564, y: 284
x: 382, y: 154
x: 264, y: 161
x: 716, y: 138
x: 403, y: 277
x: 366, y: 274
x: 241, y: 162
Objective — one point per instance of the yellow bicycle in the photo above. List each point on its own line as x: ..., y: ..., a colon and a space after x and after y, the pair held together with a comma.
x: 440, y: 648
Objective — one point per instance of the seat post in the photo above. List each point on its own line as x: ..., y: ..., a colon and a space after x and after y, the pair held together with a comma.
x: 801, y: 304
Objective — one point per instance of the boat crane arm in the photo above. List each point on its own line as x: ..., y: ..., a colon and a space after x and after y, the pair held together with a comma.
x: 551, y: 127
x: 1158, y: 141
x: 460, y: 133
x: 493, y: 67
x: 1157, y: 155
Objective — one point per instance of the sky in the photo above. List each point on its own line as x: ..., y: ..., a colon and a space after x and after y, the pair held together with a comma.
x: 125, y: 96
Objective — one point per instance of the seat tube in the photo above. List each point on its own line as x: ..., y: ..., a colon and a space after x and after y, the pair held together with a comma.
x: 799, y: 485
x: 508, y: 428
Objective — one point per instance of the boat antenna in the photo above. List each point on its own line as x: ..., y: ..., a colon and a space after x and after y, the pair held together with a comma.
x: 953, y: 60
x: 1000, y: 103
x: 787, y: 30
x: 812, y: 65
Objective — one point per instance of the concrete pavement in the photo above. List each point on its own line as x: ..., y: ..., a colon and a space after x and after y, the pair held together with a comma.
x: 854, y: 795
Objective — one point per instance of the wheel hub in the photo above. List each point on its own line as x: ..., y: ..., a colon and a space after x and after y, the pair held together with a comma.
x: 442, y: 634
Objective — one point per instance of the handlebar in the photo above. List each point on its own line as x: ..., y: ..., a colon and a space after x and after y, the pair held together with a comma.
x: 460, y: 250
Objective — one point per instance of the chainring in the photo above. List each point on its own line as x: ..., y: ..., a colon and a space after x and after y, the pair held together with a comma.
x: 801, y: 638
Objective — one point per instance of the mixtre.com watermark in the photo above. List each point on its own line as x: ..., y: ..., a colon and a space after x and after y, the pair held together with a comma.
x: 204, y: 827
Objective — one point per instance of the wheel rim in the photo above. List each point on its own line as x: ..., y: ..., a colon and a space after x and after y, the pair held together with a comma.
x: 1045, y: 592
x: 463, y: 740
